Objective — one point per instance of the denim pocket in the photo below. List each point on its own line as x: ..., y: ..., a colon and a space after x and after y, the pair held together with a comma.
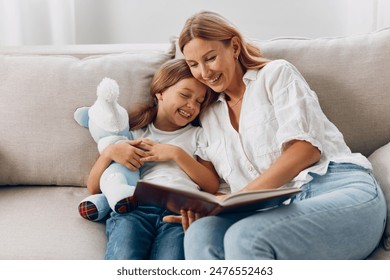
x: 345, y: 167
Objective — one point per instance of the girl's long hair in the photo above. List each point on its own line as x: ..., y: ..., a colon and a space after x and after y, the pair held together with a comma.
x: 170, y: 73
x: 211, y: 26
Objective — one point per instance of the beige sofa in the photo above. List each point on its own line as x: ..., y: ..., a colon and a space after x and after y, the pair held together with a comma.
x: 45, y: 156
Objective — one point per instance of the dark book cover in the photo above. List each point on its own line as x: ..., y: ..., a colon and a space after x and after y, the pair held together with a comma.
x: 204, y: 203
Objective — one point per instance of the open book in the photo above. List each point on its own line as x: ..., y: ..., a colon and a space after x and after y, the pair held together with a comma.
x: 207, y: 204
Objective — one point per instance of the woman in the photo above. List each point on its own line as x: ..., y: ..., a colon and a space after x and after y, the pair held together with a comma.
x: 267, y: 130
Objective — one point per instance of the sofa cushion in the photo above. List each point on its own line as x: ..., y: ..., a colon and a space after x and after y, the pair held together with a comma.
x: 380, y: 160
x: 351, y: 78
x: 40, y: 143
x: 42, y: 223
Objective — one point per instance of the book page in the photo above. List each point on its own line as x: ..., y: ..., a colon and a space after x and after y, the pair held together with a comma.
x: 242, y: 197
x: 175, y: 199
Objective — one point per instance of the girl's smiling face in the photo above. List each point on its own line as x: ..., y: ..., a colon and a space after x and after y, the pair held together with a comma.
x: 179, y: 104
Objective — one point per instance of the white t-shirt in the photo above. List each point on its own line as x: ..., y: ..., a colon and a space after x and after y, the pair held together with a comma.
x: 278, y: 106
x: 168, y: 172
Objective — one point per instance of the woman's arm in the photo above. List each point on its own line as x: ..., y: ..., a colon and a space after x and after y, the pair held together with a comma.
x: 201, y: 172
x: 297, y: 156
x: 124, y: 153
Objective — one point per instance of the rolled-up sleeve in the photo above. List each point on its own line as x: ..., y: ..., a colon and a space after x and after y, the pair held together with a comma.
x: 297, y: 109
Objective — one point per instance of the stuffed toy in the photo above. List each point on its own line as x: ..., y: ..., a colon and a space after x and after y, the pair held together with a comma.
x: 108, y: 123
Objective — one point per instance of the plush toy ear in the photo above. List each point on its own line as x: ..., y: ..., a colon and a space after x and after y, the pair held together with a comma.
x: 81, y: 116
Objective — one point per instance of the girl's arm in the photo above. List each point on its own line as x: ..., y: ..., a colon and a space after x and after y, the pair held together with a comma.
x: 201, y: 172
x: 93, y: 183
x: 124, y: 153
x: 298, y: 156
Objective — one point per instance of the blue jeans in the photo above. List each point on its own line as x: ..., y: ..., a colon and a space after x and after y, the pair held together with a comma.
x: 141, y: 234
x: 340, y: 215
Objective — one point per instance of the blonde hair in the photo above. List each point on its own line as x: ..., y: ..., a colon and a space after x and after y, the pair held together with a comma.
x: 170, y: 73
x: 211, y: 26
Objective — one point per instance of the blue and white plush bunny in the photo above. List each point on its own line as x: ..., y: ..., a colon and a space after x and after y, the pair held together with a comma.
x: 108, y: 123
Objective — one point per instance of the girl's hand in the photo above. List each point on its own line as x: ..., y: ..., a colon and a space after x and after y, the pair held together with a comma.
x: 157, y: 152
x: 126, y: 153
x: 186, y: 218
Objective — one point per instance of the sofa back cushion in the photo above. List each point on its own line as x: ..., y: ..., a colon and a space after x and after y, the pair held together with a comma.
x: 351, y: 78
x: 40, y: 143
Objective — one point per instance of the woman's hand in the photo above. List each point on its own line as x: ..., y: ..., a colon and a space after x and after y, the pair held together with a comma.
x: 186, y: 218
x: 126, y: 153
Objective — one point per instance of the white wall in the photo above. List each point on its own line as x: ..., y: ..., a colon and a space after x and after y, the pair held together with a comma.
x: 32, y: 22
x: 128, y: 21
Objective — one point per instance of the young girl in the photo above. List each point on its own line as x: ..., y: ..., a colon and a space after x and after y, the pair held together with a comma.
x: 178, y: 99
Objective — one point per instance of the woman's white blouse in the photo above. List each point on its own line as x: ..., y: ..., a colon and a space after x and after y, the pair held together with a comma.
x: 278, y: 106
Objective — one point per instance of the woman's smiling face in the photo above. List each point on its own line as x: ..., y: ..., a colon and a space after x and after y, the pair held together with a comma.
x: 212, y: 62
